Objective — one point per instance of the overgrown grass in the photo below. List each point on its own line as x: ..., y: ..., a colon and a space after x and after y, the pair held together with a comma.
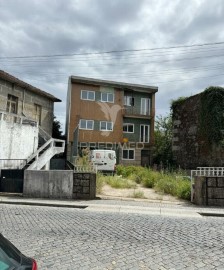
x: 138, y: 194
x: 170, y: 183
x: 100, y: 181
x: 119, y: 182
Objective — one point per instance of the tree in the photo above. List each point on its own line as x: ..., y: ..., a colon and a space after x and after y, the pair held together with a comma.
x: 163, y: 140
x: 56, y: 131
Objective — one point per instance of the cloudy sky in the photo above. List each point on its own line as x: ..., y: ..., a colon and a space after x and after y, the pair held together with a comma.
x: 176, y: 45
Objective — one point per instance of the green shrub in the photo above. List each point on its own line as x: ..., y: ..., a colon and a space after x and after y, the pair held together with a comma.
x: 176, y: 186
x: 151, y: 178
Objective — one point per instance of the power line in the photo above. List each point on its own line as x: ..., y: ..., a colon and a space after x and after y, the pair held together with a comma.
x: 113, y: 51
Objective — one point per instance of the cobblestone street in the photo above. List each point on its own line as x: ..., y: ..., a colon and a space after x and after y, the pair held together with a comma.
x: 66, y: 238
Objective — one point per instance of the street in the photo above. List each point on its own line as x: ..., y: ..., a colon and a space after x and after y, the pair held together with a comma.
x: 69, y: 238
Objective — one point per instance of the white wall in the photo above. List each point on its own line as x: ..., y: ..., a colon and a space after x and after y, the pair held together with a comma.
x: 17, y: 141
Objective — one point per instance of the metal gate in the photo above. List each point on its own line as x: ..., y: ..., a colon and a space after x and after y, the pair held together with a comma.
x: 11, y: 181
x: 215, y: 191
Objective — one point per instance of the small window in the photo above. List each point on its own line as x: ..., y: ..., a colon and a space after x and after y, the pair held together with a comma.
x: 128, y: 128
x: 128, y: 154
x: 87, y: 95
x: 12, y: 104
x: 106, y: 126
x: 107, y: 97
x: 86, y: 124
x: 128, y: 101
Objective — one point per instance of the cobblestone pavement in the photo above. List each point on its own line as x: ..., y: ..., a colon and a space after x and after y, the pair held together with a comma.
x: 65, y: 238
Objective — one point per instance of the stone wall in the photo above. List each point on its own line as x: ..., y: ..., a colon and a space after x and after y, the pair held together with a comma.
x: 84, y: 186
x: 190, y: 149
x: 209, y: 191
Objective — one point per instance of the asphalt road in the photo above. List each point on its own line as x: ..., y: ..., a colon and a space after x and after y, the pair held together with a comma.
x: 66, y: 238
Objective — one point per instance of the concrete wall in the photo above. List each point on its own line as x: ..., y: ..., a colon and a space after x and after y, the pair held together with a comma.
x: 17, y: 141
x: 48, y: 184
x: 58, y: 184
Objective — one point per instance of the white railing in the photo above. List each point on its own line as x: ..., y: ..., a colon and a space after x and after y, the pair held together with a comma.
x: 205, y: 171
x: 85, y: 168
x: 43, y: 155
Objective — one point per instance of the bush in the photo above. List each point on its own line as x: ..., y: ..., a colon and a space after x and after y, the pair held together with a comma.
x: 176, y: 186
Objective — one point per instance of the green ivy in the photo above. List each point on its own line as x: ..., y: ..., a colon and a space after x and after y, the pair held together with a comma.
x: 176, y: 102
x: 212, y: 114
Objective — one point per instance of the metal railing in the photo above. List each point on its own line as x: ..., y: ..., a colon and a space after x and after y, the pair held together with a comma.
x: 135, y: 112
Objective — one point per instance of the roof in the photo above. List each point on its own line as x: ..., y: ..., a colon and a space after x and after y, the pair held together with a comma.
x: 7, y: 77
x: 122, y: 85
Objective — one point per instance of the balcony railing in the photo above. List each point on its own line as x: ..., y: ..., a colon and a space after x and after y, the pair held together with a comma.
x: 132, y: 111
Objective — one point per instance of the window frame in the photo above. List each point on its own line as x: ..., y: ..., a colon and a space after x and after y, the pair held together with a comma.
x: 129, y: 124
x: 107, y: 93
x: 12, y: 100
x: 144, y: 141
x: 106, y: 126
x: 130, y: 99
x: 88, y: 91
x: 87, y: 120
x: 145, y: 105
x: 128, y: 154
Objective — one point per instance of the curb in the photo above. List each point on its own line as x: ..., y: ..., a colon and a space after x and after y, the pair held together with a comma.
x: 44, y: 204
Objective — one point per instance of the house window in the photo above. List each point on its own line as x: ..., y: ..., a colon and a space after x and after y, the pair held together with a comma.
x: 87, y: 95
x: 128, y: 154
x: 145, y: 106
x: 38, y: 113
x: 128, y: 128
x: 106, y: 126
x: 107, y: 97
x: 86, y: 124
x: 128, y: 101
x: 12, y: 104
x: 144, y: 133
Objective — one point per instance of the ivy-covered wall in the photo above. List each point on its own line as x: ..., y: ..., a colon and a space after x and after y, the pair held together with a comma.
x: 198, y: 126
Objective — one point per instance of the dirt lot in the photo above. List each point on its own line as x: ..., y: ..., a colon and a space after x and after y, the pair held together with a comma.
x: 139, y: 192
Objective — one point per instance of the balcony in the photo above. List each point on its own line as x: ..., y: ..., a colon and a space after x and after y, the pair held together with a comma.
x: 133, y: 112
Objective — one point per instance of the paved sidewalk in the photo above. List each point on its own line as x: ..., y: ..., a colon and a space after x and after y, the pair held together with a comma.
x: 121, y: 205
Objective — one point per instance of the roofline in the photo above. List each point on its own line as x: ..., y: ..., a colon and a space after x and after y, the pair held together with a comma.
x: 8, y: 77
x: 140, y: 87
